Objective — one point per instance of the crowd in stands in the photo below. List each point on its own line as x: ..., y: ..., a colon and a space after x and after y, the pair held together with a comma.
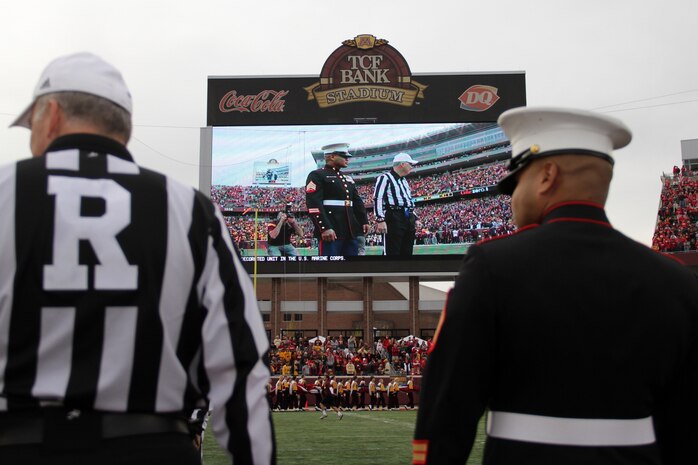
x: 449, y: 181
x: 677, y: 218
x: 373, y: 164
x: 464, y: 221
x: 242, y: 230
x: 243, y: 197
x: 456, y: 222
x: 458, y: 180
x: 347, y: 356
x: 500, y: 147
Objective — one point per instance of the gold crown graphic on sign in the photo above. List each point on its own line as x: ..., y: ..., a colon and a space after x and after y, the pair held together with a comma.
x: 364, y: 41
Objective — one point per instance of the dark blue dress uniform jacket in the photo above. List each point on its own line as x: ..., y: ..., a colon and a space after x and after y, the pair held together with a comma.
x: 331, y: 184
x: 567, y: 319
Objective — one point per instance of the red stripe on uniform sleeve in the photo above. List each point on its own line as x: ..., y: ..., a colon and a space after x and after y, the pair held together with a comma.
x: 419, y: 451
x: 441, y: 322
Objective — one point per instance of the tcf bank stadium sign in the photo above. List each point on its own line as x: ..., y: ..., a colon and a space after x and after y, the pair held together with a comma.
x: 364, y: 80
x: 365, y: 69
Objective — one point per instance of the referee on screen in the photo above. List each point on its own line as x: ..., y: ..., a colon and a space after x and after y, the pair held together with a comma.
x: 123, y: 306
x: 394, y: 207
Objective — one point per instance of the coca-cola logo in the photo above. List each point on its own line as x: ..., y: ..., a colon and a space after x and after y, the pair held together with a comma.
x: 478, y: 98
x: 266, y: 100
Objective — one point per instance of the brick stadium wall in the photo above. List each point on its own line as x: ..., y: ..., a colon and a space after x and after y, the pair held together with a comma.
x: 351, y: 290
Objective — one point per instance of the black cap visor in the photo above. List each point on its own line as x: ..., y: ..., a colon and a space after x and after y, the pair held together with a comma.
x: 508, y: 183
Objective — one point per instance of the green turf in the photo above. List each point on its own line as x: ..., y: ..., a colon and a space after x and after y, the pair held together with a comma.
x: 436, y: 249
x: 361, y: 437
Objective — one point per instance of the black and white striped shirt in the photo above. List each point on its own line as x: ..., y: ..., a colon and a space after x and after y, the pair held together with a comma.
x: 391, y: 190
x: 120, y: 291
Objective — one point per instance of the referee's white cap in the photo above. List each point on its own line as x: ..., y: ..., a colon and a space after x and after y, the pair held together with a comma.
x: 404, y: 158
x: 80, y: 72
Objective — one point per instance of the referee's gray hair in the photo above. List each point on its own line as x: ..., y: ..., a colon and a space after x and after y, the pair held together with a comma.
x: 103, y: 113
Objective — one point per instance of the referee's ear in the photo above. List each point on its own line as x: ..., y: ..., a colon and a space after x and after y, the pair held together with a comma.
x: 47, y: 122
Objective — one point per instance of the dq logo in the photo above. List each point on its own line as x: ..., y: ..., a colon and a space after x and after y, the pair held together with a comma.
x: 478, y: 98
x: 365, y: 69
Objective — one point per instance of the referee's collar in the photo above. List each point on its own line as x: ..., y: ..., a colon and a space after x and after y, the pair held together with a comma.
x: 93, y: 142
x: 395, y: 174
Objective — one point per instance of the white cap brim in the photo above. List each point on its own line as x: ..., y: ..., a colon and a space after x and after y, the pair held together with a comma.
x: 23, y: 120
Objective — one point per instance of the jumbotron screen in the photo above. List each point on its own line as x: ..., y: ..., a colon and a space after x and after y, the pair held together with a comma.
x: 259, y: 172
x: 265, y: 134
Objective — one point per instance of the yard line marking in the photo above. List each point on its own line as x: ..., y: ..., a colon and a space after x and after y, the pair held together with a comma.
x: 383, y: 420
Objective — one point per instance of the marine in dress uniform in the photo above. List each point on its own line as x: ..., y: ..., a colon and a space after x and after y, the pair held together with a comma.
x: 581, y: 343
x: 334, y: 205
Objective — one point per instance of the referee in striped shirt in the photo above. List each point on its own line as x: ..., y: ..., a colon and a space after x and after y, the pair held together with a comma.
x: 394, y: 207
x: 123, y: 305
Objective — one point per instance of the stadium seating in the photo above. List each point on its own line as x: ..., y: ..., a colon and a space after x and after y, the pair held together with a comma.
x: 677, y: 219
x: 386, y: 357
x: 440, y: 223
x: 240, y: 198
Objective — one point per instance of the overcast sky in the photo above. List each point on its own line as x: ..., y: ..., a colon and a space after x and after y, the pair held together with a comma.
x: 634, y: 60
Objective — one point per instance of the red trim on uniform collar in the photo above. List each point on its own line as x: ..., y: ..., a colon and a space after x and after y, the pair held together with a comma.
x: 589, y: 212
x: 504, y: 236
x: 572, y: 202
x: 676, y: 259
x: 580, y: 220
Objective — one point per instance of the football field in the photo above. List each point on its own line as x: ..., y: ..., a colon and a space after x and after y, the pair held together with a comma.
x: 431, y: 249
x: 361, y: 437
